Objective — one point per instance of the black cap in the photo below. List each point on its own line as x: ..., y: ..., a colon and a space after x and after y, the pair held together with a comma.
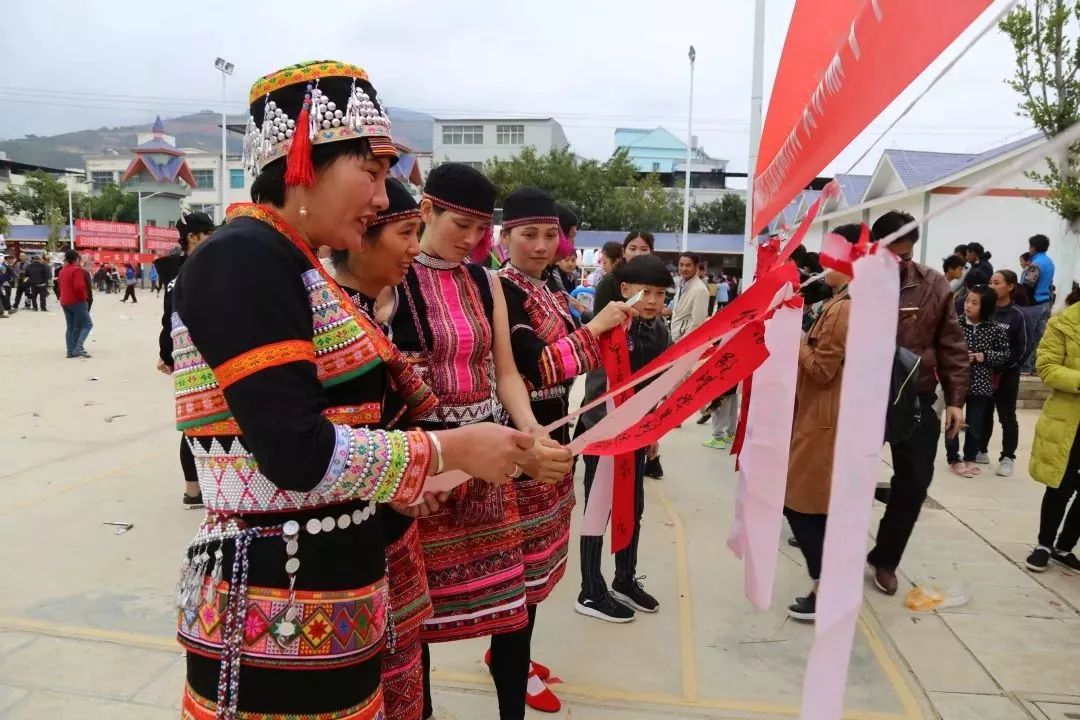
x: 645, y: 270
x: 402, y: 204
x: 528, y: 205
x: 198, y: 222
x: 567, y: 218
x: 461, y: 189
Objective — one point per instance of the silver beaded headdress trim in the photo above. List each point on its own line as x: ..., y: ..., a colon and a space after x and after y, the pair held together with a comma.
x: 361, y: 118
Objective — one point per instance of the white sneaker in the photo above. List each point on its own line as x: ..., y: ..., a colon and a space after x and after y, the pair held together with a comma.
x: 982, y: 458
x: 1005, y: 468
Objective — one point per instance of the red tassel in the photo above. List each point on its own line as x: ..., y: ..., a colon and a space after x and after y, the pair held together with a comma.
x: 298, y: 167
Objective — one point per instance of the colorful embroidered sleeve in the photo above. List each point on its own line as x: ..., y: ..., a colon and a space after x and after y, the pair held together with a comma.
x: 244, y: 304
x: 545, y: 363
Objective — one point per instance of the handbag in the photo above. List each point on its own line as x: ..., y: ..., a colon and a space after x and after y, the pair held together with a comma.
x: 904, y: 412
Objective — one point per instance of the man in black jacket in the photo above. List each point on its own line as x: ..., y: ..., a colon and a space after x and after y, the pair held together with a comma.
x: 38, y: 275
x: 194, y: 228
x: 981, y: 269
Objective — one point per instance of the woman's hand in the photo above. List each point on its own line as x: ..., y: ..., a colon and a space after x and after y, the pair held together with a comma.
x: 493, y: 453
x: 549, y: 462
x: 431, y: 502
x: 613, y: 315
x: 163, y: 368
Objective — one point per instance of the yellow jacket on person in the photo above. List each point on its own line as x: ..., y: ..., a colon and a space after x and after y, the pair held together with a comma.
x: 1058, y: 365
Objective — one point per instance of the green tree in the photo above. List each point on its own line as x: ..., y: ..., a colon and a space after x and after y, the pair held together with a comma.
x: 5, y: 224
x: 606, y: 195
x: 55, y: 221
x: 725, y: 216
x: 33, y: 198
x: 112, y: 203
x: 1044, y: 38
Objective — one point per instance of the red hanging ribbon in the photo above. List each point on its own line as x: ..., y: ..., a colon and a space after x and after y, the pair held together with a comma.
x: 615, y: 355
x: 733, y: 362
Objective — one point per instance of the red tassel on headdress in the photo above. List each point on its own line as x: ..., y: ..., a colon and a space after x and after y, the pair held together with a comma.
x: 298, y: 167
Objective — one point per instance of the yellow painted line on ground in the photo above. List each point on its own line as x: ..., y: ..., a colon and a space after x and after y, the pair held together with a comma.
x: 80, y: 632
x: 912, y: 708
x: 598, y: 694
x: 686, y: 608
x: 588, y: 693
x: 79, y: 484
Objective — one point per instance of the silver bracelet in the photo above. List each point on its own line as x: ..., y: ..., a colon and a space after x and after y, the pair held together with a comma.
x: 438, y: 452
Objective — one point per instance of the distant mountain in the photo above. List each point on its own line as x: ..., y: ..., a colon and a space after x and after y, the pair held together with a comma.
x: 200, y: 130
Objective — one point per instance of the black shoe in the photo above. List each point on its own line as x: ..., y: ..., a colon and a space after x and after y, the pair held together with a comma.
x: 634, y: 595
x: 193, y: 502
x: 804, y: 608
x: 654, y: 469
x: 793, y: 542
x: 705, y: 417
x: 1066, y: 559
x: 1038, y: 559
x: 604, y: 607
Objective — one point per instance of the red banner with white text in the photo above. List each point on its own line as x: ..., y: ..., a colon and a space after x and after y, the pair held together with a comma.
x: 843, y: 63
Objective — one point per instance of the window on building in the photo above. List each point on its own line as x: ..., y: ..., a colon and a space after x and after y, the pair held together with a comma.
x: 100, y: 178
x: 205, y: 208
x: 510, y: 134
x: 236, y: 178
x: 204, y: 179
x: 656, y: 167
x: 463, y: 134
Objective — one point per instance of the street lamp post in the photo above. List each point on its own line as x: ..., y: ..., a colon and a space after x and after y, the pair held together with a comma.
x: 757, y: 81
x: 71, y: 219
x: 689, y: 156
x: 142, y: 228
x: 226, y: 69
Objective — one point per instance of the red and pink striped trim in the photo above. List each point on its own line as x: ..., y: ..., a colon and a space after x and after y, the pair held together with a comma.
x: 446, y: 205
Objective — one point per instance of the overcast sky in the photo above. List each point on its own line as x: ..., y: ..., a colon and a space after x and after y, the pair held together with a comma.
x: 70, y: 65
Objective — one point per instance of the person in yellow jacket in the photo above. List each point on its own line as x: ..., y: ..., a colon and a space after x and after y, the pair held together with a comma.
x: 1055, y: 455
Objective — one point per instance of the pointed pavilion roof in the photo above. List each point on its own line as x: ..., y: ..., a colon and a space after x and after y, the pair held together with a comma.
x: 168, y: 170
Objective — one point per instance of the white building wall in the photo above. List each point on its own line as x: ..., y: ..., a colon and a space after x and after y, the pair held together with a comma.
x: 543, y: 135
x: 1001, y: 224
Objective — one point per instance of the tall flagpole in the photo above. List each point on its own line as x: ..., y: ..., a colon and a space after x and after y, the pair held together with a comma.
x: 756, y: 92
x: 685, y: 243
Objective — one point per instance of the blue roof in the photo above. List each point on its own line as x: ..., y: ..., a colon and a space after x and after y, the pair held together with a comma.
x: 853, y: 187
x: 665, y: 241
x: 33, y: 232
x: 919, y: 167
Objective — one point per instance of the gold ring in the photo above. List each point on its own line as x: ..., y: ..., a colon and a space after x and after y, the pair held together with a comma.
x: 517, y: 472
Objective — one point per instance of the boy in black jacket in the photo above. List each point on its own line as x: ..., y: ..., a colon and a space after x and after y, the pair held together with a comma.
x: 647, y: 338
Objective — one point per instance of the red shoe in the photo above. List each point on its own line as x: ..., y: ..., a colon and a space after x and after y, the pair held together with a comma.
x: 543, y: 700
x: 542, y: 671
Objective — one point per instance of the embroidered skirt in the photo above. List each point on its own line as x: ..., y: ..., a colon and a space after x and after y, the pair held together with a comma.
x: 545, y: 512
x: 475, y: 572
x: 199, y: 708
x: 410, y: 603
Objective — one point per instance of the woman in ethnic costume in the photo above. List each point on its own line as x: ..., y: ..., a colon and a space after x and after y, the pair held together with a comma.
x: 283, y: 598
x: 391, y: 243
x: 450, y: 322
x: 550, y: 350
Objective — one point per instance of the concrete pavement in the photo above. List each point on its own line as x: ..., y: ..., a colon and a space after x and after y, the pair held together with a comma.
x: 86, y: 621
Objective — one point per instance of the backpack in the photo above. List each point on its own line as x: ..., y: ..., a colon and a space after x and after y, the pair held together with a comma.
x: 904, y: 412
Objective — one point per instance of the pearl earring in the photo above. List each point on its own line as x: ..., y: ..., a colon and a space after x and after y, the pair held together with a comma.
x: 303, y: 211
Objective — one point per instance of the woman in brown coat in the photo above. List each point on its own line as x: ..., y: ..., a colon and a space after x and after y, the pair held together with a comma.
x: 817, y: 405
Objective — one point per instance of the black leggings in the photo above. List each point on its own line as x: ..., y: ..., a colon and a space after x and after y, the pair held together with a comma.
x: 129, y: 293
x: 187, y: 461
x: 509, y: 669
x: 1055, y: 503
x: 809, y: 532
x: 1005, y: 403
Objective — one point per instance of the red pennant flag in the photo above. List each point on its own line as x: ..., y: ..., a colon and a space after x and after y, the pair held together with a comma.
x: 615, y: 355
x: 838, y: 71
